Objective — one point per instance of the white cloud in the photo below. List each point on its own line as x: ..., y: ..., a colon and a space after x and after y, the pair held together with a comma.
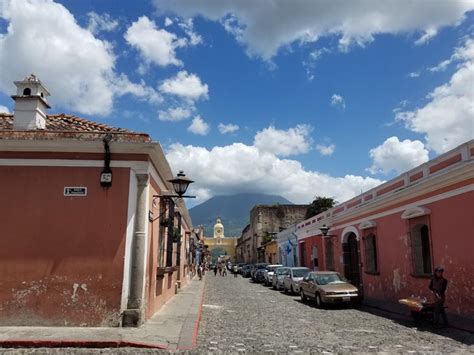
x: 447, y: 120
x: 338, y: 101
x: 325, y: 149
x: 441, y: 66
x: 4, y: 109
x: 175, y: 114
x: 283, y: 143
x: 188, y: 27
x: 101, y: 23
x: 155, y: 45
x: 168, y: 22
x: 244, y: 168
x: 397, y: 156
x: 265, y: 26
x: 427, y: 36
x: 228, y: 128
x: 199, y: 126
x: 43, y: 37
x: 186, y: 86
x: 414, y: 74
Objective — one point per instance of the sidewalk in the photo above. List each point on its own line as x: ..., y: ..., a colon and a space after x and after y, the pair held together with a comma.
x: 174, y: 327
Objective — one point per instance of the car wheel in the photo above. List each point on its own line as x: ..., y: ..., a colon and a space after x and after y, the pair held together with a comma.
x: 274, y: 287
x: 303, y: 297
x: 319, y: 302
x: 284, y: 288
x: 292, y: 290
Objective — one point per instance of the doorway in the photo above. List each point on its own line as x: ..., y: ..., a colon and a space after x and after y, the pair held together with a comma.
x: 351, y: 259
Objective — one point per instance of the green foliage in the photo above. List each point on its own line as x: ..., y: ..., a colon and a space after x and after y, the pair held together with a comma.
x: 320, y: 204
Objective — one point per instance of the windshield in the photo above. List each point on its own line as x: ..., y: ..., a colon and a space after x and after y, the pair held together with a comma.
x: 261, y: 266
x: 280, y: 271
x: 272, y: 268
x: 300, y: 272
x: 330, y: 279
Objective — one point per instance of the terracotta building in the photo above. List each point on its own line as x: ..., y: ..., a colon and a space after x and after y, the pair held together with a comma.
x: 84, y: 239
x: 389, y: 239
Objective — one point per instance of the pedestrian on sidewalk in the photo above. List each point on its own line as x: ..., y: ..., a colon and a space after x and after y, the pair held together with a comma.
x: 200, y: 270
x: 438, y: 286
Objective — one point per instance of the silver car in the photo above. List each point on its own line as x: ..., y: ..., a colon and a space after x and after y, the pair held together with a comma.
x: 291, y: 281
x: 278, y: 276
x: 268, y: 273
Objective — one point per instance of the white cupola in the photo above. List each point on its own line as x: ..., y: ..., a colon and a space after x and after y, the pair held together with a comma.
x: 31, y: 106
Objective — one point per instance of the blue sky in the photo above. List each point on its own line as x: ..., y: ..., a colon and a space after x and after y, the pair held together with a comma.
x: 328, y: 100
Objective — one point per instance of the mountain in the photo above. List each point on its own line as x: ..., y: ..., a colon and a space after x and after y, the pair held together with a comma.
x: 233, y: 210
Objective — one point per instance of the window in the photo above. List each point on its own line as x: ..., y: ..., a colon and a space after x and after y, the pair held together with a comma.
x: 27, y: 92
x: 371, y: 254
x: 421, y: 250
x: 328, y: 243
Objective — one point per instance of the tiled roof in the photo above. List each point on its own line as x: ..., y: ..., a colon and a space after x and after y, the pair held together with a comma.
x: 71, y: 127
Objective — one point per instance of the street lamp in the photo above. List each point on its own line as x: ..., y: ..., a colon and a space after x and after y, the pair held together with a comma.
x: 180, y: 184
x: 324, y: 231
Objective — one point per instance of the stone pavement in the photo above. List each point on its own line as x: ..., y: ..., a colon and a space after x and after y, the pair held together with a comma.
x: 241, y: 316
x: 174, y: 327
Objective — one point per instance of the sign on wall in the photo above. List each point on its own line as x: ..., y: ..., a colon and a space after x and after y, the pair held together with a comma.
x: 75, y: 191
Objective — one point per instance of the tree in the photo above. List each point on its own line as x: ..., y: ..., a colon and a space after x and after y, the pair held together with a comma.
x: 320, y: 204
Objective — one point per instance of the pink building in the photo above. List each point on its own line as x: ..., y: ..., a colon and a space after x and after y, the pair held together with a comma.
x: 81, y: 244
x: 388, y: 240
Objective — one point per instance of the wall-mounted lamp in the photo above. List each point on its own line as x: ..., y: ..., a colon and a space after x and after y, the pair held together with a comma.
x: 106, y: 174
x: 324, y: 231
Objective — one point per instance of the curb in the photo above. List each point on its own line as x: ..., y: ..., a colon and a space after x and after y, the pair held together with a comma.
x: 77, y: 344
x: 196, y: 324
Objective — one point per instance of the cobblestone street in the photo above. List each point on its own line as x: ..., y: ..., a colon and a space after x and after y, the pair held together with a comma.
x: 239, y: 316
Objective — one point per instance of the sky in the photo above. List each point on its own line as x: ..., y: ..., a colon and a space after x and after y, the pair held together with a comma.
x: 294, y: 98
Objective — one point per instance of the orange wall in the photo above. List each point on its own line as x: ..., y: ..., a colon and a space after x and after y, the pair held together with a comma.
x: 61, y: 258
x: 452, y: 239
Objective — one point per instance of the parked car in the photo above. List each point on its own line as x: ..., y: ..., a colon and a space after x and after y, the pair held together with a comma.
x: 259, y: 275
x: 246, y: 270
x: 291, y: 281
x: 240, y: 267
x: 278, y: 276
x: 268, y: 273
x: 328, y: 287
x: 257, y: 267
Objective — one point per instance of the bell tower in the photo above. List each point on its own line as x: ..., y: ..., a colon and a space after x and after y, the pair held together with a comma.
x: 31, y: 106
x: 218, y: 229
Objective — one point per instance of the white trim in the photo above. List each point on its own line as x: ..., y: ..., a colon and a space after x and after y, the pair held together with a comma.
x: 428, y: 200
x: 132, y: 205
x: 368, y: 224
x: 460, y: 191
x: 413, y: 212
x: 348, y: 230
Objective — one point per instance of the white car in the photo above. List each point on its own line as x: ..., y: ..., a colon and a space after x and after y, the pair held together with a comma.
x: 291, y: 281
x: 268, y: 273
x: 278, y: 276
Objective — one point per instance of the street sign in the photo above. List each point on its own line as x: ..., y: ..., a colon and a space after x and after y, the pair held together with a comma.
x: 75, y: 191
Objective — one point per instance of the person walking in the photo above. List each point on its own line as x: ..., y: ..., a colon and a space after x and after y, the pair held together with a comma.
x: 215, y: 269
x: 235, y: 270
x: 438, y: 286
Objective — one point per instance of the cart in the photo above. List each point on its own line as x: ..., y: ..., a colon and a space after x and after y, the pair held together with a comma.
x: 420, y: 308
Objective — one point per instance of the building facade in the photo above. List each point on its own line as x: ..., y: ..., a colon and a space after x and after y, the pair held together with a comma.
x: 287, y: 241
x: 389, y: 239
x: 266, y: 221
x: 244, y: 245
x: 86, y: 239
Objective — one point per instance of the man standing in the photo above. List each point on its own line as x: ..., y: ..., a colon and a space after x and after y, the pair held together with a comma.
x: 438, y: 286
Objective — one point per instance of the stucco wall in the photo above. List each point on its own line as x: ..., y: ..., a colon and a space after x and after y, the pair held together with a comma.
x: 451, y: 225
x: 61, y: 258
